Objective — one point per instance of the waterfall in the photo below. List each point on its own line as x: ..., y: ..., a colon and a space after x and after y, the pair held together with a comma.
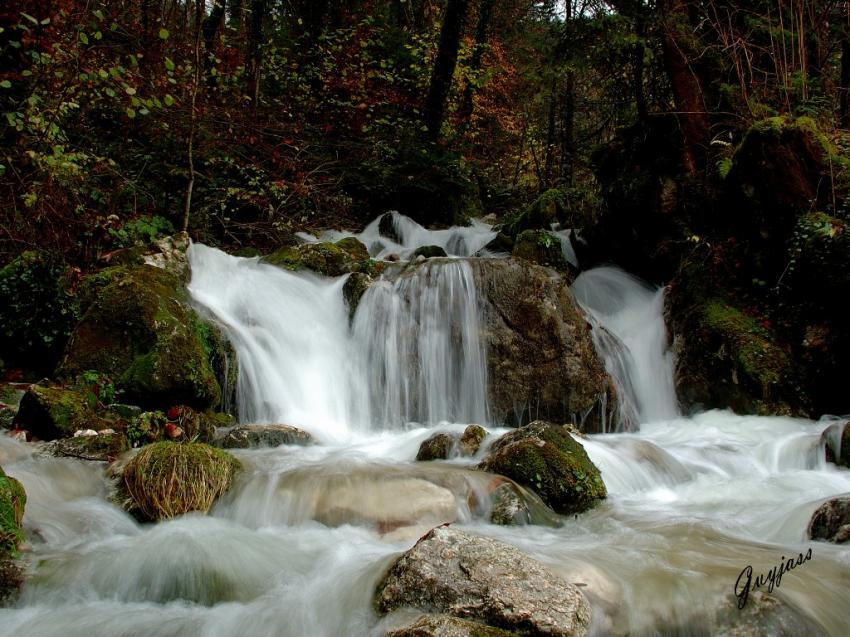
x: 630, y: 336
x: 413, y: 353
x: 420, y: 344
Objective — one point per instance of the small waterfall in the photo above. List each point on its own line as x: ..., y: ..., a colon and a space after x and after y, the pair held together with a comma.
x: 420, y: 343
x: 413, y: 353
x: 631, y: 338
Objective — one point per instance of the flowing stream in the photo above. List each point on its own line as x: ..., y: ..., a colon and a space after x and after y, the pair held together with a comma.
x: 298, y: 545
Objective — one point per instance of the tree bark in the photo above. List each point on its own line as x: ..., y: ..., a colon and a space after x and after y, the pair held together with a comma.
x: 212, y: 23
x: 254, y: 61
x: 688, y: 92
x: 444, y: 66
x: 485, y: 12
x: 844, y: 97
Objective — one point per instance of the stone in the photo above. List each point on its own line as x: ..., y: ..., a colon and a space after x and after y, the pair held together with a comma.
x: 545, y: 458
x: 325, y: 258
x: 53, y: 411
x: 543, y: 248
x: 831, y: 521
x: 438, y: 447
x: 460, y: 574
x: 447, y: 626
x: 763, y: 614
x: 429, y: 252
x: 103, y: 447
x: 140, y: 329
x: 13, y: 499
x: 540, y: 353
x: 253, y: 435
x: 508, y: 508
x: 471, y: 439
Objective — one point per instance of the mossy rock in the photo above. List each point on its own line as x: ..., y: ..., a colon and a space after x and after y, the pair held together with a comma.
x: 101, y: 448
x: 140, y: 329
x: 326, y: 258
x: 548, y: 208
x: 543, y: 248
x: 13, y: 499
x: 354, y: 289
x: 440, y: 446
x: 429, y: 252
x: 51, y: 412
x: 37, y: 312
x: 471, y: 439
x: 167, y: 479
x: 545, y: 458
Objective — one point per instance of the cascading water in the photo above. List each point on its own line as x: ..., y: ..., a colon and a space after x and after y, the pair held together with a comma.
x: 630, y: 336
x: 299, y: 544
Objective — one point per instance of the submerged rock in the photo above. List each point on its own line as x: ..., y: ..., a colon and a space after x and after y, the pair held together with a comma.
x: 508, y: 507
x: 250, y: 436
x: 167, y: 479
x: 454, y: 572
x: 138, y: 327
x: 831, y: 522
x: 540, y: 354
x: 763, y: 615
x: 545, y: 458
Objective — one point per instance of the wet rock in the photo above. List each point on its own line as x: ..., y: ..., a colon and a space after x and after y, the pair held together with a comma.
x: 438, y: 447
x: 11, y: 581
x: 251, y: 436
x: 471, y: 439
x: 169, y: 253
x: 500, y: 244
x: 354, y: 289
x: 543, y: 248
x: 454, y: 572
x: 509, y: 509
x: 540, y: 353
x: 103, y: 447
x: 548, y: 208
x: 428, y: 252
x: 326, y: 258
x: 545, y: 458
x: 167, y: 479
x: 13, y: 499
x: 139, y: 328
x: 386, y: 228
x: 51, y: 412
x: 831, y: 521
x: 386, y: 504
x: 447, y: 626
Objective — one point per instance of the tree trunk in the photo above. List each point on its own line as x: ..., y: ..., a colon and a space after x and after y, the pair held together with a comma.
x: 549, y: 157
x: 444, y: 66
x: 254, y: 61
x: 844, y: 97
x: 568, y: 116
x: 637, y: 69
x: 211, y: 25
x: 687, y: 89
x: 485, y: 12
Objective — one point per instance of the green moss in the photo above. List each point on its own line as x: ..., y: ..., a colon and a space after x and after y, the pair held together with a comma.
x: 548, y: 208
x: 752, y: 345
x: 354, y: 247
x: 103, y: 447
x: 541, y: 247
x: 52, y: 411
x: 140, y: 329
x: 168, y: 479
x: 545, y: 458
x: 13, y: 499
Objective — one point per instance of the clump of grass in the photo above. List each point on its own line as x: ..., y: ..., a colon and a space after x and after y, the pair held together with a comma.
x: 167, y: 479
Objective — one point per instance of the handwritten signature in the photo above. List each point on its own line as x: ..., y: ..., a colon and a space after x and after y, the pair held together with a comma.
x: 745, y: 584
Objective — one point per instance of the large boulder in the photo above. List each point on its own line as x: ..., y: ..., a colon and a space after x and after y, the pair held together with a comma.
x: 167, y: 479
x: 330, y: 259
x: 103, y: 447
x: 831, y: 521
x: 456, y: 573
x: 13, y: 498
x: 54, y: 411
x: 263, y: 435
x: 138, y: 327
x: 547, y: 459
x: 446, y: 626
x: 540, y: 355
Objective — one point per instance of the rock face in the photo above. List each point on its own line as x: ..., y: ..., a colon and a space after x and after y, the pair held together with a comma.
x: 545, y: 458
x: 540, y: 357
x: 251, y: 436
x: 139, y: 329
x: 454, y: 572
x: 167, y: 479
x: 831, y: 522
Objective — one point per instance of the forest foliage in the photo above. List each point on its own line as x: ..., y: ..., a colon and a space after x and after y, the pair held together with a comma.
x: 244, y: 120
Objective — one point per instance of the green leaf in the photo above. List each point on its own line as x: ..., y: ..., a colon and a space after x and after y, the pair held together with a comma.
x: 29, y: 17
x: 169, y: 65
x: 84, y: 38
x: 131, y: 113
x: 5, y: 84
x: 129, y: 90
x: 110, y: 92
x: 168, y: 100
x: 163, y: 34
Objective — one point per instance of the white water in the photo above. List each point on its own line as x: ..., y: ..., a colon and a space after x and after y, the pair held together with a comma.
x: 456, y: 241
x: 297, y: 547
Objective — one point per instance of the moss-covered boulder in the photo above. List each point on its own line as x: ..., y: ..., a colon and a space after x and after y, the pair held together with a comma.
x: 548, y: 208
x: 37, y: 311
x: 471, y: 439
x: 13, y: 499
x: 354, y: 289
x: 138, y: 327
x: 831, y: 521
x: 543, y: 248
x: 252, y: 436
x: 51, y: 412
x: 545, y: 458
x: 326, y: 258
x: 103, y: 447
x: 440, y: 446
x: 167, y: 479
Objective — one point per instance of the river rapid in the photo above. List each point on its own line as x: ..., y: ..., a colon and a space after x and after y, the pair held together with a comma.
x: 290, y: 550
